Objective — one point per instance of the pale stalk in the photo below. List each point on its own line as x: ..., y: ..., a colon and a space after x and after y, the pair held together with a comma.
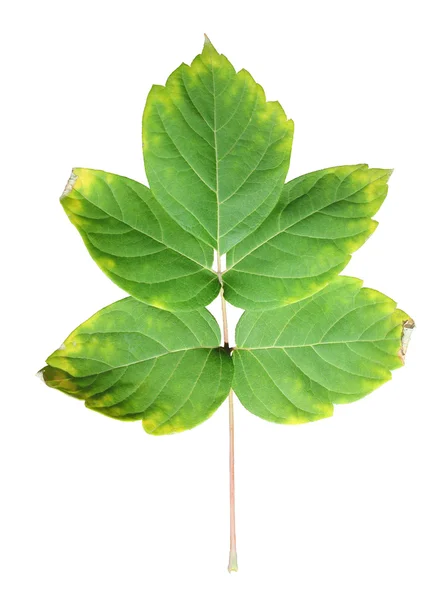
x: 232, y: 565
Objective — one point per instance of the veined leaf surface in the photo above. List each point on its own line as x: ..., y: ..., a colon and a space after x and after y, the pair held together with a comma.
x: 293, y: 363
x: 137, y: 244
x: 320, y: 220
x: 132, y: 361
x: 216, y: 153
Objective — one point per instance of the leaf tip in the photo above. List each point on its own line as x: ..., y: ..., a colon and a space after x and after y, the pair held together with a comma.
x: 208, y: 46
x: 407, y: 329
x: 40, y: 374
x: 389, y: 172
x: 69, y: 185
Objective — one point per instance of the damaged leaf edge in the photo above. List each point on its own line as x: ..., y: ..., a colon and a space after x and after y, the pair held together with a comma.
x: 407, y: 329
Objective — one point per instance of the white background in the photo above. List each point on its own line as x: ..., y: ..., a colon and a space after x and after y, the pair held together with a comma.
x: 92, y: 508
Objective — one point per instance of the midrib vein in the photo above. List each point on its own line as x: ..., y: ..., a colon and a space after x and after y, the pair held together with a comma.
x: 126, y: 365
x: 216, y: 177
x: 253, y: 348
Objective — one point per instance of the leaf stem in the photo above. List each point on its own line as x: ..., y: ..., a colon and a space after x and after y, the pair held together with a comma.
x: 225, y: 320
x: 232, y: 565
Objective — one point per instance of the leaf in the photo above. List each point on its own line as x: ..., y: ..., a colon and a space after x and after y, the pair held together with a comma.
x: 216, y: 153
x: 132, y: 361
x: 320, y: 220
x: 137, y: 244
x: 293, y: 363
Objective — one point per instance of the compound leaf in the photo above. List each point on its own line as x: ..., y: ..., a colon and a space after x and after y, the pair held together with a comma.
x: 137, y: 244
x: 133, y: 361
x: 320, y: 220
x: 293, y: 363
x: 216, y: 153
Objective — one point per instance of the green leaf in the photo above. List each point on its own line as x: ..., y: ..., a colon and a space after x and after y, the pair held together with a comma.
x: 216, y: 153
x: 293, y: 363
x: 132, y: 361
x: 320, y: 220
x: 137, y: 244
